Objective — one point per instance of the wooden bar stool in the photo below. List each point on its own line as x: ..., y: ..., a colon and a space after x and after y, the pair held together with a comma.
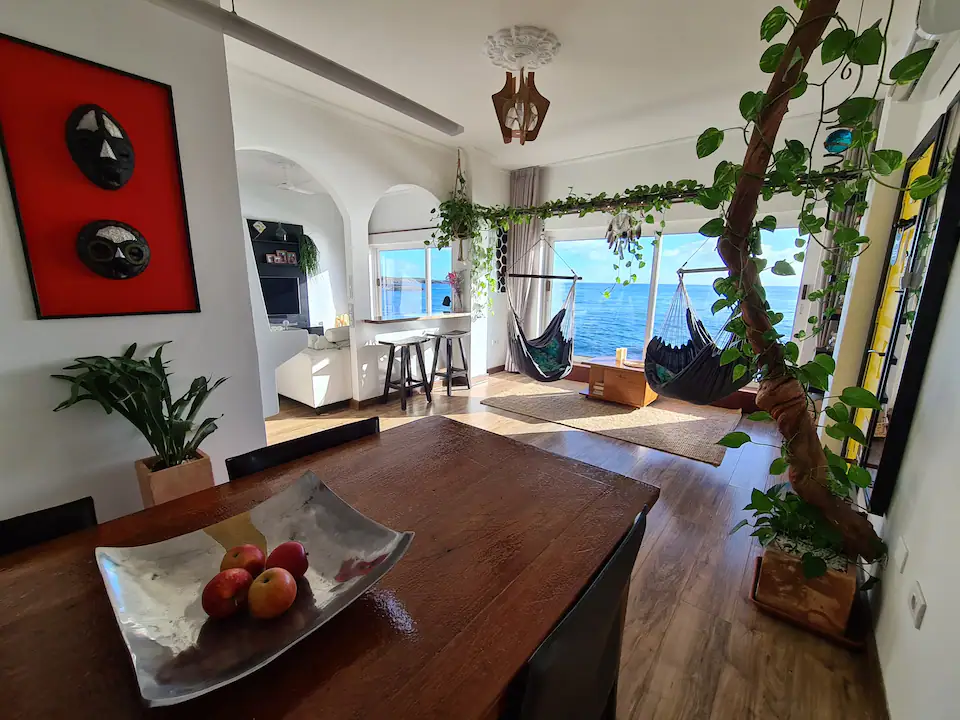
x: 451, y: 372
x: 407, y: 381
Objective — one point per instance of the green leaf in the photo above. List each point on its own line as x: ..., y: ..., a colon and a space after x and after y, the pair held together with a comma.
x: 846, y: 429
x: 859, y: 398
x: 816, y: 375
x: 778, y: 467
x: 855, y: 110
x: 800, y: 87
x: 760, y: 501
x: 791, y: 351
x: 760, y: 416
x: 769, y: 222
x: 912, y: 66
x: 799, y: 257
x: 799, y: 242
x: 859, y: 476
x: 709, y: 141
x: 867, y: 48
x: 720, y: 305
x: 750, y: 105
x: 761, y: 263
x: 838, y: 412
x: 835, y: 45
x: 734, y: 440
x: 802, y: 4
x: 739, y: 371
x: 771, y: 57
x: 924, y: 186
x: 827, y: 362
x: 710, y: 198
x: 773, y: 23
x: 730, y: 355
x: 813, y: 566
x: 782, y: 267
x: 713, y: 228
x: 739, y: 525
x: 885, y: 162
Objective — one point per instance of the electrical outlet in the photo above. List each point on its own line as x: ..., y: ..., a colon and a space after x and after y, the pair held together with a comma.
x: 900, y: 555
x: 917, y: 604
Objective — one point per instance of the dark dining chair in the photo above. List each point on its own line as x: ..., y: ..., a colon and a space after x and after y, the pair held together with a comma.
x: 273, y: 455
x: 38, y: 527
x: 573, y: 674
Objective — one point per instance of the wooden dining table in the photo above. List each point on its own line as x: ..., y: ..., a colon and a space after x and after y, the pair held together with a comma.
x: 507, y: 536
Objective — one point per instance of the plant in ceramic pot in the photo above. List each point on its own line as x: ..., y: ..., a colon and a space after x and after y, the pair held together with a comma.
x: 139, y: 389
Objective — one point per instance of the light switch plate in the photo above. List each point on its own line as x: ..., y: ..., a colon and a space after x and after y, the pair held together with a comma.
x: 917, y: 604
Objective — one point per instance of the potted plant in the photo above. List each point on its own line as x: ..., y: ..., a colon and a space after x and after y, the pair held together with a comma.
x: 140, y: 391
x: 804, y: 576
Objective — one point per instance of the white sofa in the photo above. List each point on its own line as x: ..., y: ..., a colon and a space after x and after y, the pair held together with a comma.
x: 319, y: 376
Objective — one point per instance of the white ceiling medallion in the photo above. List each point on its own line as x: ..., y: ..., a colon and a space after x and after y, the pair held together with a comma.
x: 521, y: 47
x: 520, y: 107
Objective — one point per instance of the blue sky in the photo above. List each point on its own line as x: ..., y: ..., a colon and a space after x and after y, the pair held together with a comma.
x: 410, y: 263
x: 594, y: 261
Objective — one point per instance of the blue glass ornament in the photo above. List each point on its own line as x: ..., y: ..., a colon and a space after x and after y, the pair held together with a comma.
x: 839, y: 141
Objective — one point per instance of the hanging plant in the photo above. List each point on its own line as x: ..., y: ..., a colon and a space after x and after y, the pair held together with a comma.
x: 459, y: 220
x: 309, y: 261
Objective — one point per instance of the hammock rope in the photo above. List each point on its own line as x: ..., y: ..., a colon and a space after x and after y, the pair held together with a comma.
x: 549, y: 356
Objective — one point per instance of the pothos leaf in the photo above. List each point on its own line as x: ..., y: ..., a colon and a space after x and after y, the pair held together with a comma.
x: 813, y: 566
x: 826, y: 361
x: 782, y: 267
x: 859, y: 476
x: 924, y: 186
x: 760, y: 416
x: 769, y: 222
x: 734, y: 439
x: 739, y: 371
x: 739, y: 525
x: 713, y: 228
x: 867, y: 48
x: 771, y: 57
x: 885, y: 162
x: 708, y: 142
x: 859, y: 397
x: 773, y: 23
x: 778, y: 467
x: 750, y: 104
x: 729, y: 355
x: 912, y: 66
x: 835, y: 45
x: 855, y: 110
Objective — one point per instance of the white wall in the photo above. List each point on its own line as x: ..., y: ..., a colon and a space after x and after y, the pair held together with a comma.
x: 321, y: 220
x: 53, y: 458
x: 357, y: 160
x: 921, y: 669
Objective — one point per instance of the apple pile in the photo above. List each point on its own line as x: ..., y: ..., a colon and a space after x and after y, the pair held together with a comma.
x: 266, y: 585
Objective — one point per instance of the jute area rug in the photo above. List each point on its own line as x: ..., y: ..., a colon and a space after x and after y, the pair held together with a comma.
x: 669, y: 425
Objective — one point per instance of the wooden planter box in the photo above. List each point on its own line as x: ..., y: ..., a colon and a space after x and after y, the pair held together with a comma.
x: 169, y: 484
x: 821, y: 604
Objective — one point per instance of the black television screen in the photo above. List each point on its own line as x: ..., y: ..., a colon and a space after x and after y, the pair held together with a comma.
x: 281, y: 295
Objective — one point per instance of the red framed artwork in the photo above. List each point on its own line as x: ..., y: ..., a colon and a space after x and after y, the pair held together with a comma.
x: 93, y: 166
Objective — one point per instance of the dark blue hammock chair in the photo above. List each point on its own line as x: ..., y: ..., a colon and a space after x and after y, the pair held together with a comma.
x: 548, y: 357
x: 682, y: 359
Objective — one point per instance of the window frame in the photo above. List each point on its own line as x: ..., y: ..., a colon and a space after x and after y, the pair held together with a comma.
x: 376, y: 277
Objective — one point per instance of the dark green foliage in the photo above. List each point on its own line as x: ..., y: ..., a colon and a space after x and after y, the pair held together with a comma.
x: 140, y: 391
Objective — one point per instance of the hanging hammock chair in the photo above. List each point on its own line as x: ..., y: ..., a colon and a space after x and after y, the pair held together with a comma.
x: 548, y: 357
x: 682, y: 360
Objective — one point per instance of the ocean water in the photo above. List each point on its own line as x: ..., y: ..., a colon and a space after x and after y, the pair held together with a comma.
x: 604, y: 324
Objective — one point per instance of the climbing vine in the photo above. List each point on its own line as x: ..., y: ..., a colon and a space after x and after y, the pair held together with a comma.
x: 831, y: 202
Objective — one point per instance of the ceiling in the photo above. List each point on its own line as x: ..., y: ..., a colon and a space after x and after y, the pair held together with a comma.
x: 630, y: 73
x: 257, y: 167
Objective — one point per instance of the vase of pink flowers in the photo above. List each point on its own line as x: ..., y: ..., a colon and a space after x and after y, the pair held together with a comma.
x: 456, y: 284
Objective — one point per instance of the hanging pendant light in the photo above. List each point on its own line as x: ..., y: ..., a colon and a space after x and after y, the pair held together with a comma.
x: 519, y: 106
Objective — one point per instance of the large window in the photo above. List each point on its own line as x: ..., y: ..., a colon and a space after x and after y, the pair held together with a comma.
x: 609, y: 316
x: 403, y: 285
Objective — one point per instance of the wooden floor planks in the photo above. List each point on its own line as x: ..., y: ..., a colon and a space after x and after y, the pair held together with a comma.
x: 694, y: 646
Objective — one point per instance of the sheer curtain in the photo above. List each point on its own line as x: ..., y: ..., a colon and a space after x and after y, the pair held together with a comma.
x: 524, y: 192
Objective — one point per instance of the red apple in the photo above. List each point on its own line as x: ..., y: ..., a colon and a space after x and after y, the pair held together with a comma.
x: 248, y: 557
x: 291, y: 557
x: 272, y: 593
x: 226, y: 592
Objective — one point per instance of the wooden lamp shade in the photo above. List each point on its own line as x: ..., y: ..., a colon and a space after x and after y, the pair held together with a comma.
x: 528, y: 104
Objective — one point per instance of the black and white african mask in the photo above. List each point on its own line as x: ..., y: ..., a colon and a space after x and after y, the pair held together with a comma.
x: 113, y: 249
x: 100, y: 147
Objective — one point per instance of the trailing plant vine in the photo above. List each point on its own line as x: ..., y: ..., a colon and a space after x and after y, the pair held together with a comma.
x: 309, y: 260
x: 820, y: 507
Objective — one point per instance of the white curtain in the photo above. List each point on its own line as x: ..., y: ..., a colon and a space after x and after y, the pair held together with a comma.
x: 524, y: 192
